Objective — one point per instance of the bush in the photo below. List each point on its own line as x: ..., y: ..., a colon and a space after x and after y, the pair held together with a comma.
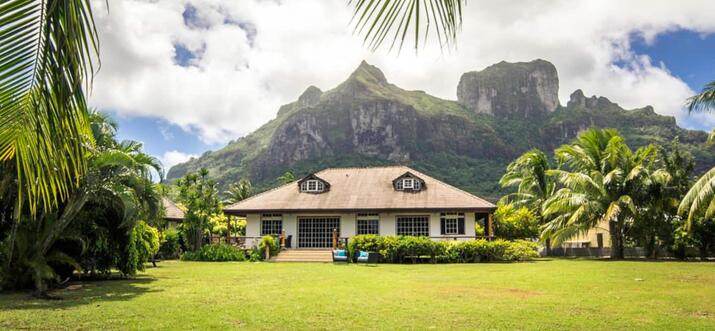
x: 215, y: 253
x: 270, y: 242
x: 399, y: 249
x: 170, y: 246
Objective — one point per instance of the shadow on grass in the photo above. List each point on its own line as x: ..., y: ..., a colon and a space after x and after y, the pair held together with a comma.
x: 79, y: 293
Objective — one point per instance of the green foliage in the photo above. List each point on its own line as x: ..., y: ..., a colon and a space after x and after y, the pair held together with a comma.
x: 238, y: 191
x: 170, y: 247
x: 215, y: 253
x: 401, y: 249
x: 50, y: 49
x: 272, y: 244
x: 515, y: 223
x: 142, y: 246
x: 199, y: 195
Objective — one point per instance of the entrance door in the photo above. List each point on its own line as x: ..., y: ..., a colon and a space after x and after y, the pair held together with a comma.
x: 317, y: 231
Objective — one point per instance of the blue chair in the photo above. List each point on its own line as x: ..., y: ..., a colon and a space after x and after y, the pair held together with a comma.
x: 367, y: 257
x: 340, y: 255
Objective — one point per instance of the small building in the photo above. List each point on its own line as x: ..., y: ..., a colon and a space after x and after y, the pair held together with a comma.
x: 393, y: 200
x: 172, y: 213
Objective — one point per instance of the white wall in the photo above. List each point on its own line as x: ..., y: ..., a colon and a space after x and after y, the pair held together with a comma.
x: 348, y: 226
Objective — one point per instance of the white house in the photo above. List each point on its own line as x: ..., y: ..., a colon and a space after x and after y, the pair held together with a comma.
x: 392, y: 200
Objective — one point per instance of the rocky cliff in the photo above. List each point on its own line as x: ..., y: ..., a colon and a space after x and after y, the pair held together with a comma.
x: 501, y: 112
x: 511, y: 90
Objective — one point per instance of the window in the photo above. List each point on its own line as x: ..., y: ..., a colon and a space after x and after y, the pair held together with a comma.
x: 413, y: 226
x: 368, y: 224
x: 312, y: 185
x: 452, y: 223
x: 408, y: 183
x: 271, y: 224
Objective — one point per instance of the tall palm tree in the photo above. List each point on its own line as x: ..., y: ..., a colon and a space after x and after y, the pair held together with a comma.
x: 700, y: 199
x: 529, y: 174
x: 600, y: 186
x: 382, y: 20
x: 47, y: 59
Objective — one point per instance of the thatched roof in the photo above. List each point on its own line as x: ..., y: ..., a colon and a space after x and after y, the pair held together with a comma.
x: 171, y: 211
x: 362, y: 189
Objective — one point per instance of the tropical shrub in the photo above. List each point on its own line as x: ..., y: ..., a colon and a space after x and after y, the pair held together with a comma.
x: 215, y: 253
x: 170, y: 247
x: 400, y: 249
x: 515, y: 223
x: 271, y: 243
x: 142, y: 246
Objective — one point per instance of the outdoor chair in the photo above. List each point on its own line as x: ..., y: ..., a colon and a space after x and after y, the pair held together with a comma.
x: 340, y: 255
x: 367, y: 257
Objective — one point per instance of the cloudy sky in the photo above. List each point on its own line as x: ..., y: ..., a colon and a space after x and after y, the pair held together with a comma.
x: 186, y: 76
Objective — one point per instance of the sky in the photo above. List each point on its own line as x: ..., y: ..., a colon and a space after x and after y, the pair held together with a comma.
x: 188, y: 76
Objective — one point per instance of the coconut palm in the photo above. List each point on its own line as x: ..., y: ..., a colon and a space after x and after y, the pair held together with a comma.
x: 529, y: 174
x: 604, y: 178
x: 286, y: 178
x: 383, y: 20
x: 46, y: 64
x: 238, y: 191
x: 700, y: 199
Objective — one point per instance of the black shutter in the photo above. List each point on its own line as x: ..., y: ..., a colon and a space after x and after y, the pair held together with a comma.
x: 460, y: 224
x: 441, y: 226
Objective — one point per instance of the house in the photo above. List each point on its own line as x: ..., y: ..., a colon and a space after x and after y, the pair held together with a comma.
x: 597, y: 237
x: 173, y: 215
x: 394, y: 200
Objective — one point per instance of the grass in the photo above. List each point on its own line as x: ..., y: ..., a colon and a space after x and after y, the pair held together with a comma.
x: 556, y: 294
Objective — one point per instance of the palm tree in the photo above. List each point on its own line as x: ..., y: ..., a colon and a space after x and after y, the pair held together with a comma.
x: 46, y: 64
x: 238, y: 191
x: 286, y: 178
x: 700, y: 199
x: 604, y: 177
x: 118, y: 171
x: 376, y: 20
x: 529, y: 173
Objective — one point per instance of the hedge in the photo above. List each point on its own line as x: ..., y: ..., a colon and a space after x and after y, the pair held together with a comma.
x: 215, y: 253
x: 401, y: 249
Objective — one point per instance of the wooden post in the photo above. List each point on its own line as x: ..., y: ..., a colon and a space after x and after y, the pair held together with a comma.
x: 283, y: 239
x: 489, y: 229
x: 335, y: 238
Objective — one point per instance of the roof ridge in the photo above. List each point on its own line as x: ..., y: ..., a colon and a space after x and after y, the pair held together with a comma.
x: 260, y: 194
x: 453, y: 187
x: 366, y: 167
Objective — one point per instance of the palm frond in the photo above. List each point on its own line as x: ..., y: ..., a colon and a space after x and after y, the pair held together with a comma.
x: 381, y: 20
x: 704, y: 101
x: 46, y: 64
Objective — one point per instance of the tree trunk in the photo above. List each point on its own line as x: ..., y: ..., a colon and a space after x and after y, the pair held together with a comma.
x: 617, y: 249
x: 548, y: 247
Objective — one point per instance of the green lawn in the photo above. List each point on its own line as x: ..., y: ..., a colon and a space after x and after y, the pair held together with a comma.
x: 558, y: 294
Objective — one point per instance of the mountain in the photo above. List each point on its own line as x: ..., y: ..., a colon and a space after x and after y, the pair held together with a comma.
x: 500, y: 112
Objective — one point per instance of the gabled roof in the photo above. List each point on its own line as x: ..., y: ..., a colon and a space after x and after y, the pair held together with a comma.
x: 362, y: 189
x: 171, y: 211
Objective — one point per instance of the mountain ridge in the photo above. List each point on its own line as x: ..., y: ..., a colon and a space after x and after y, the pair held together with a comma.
x: 501, y: 111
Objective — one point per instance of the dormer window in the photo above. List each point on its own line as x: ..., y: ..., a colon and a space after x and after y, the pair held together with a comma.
x: 313, y: 184
x: 408, y: 183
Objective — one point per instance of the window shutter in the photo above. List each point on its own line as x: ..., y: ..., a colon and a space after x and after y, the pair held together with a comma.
x: 442, y: 226
x: 460, y: 224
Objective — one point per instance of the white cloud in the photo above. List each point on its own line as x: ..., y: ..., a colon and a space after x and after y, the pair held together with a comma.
x: 174, y: 157
x: 252, y: 56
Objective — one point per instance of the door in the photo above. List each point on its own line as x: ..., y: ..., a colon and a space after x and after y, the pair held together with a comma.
x: 317, y: 231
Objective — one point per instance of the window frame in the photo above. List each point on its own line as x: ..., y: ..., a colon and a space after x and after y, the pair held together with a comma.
x: 270, y: 221
x: 413, y: 228
x: 408, y: 180
x: 446, y: 220
x: 367, y: 217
